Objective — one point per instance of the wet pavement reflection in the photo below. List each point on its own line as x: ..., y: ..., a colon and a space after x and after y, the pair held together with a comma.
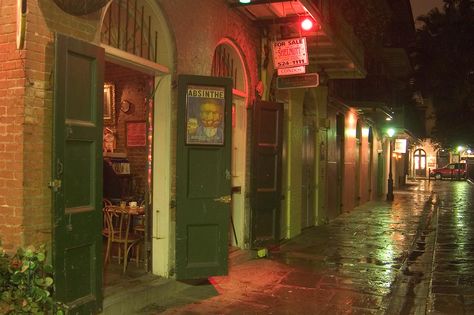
x: 412, y: 256
x: 452, y: 287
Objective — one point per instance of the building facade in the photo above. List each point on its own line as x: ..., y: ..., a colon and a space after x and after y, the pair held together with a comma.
x: 106, y: 99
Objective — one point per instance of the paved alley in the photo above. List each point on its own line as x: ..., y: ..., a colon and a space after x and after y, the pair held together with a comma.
x: 412, y: 256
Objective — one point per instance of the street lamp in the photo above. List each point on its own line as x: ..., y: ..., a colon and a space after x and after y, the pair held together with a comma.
x: 390, y: 133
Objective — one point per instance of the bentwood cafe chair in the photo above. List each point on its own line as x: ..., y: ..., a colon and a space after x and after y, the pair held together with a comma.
x: 117, y: 226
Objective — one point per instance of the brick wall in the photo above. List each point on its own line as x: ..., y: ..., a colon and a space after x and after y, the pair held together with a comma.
x: 134, y: 87
x: 199, y: 25
x: 26, y: 94
x: 12, y: 82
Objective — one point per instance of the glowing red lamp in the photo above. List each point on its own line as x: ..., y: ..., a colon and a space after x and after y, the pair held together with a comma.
x: 307, y: 24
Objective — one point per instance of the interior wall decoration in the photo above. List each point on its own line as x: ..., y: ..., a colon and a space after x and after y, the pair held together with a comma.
x: 136, y: 133
x: 126, y: 106
x: 109, y: 144
x: 109, y: 103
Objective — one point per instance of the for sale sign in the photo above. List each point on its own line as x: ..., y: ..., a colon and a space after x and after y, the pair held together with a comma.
x: 290, y: 53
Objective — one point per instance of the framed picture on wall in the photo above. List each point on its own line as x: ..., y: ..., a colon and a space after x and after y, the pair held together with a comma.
x: 136, y: 133
x: 205, y: 108
x: 109, y: 101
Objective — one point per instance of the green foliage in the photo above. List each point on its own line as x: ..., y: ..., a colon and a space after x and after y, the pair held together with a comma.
x: 26, y: 284
x: 445, y: 69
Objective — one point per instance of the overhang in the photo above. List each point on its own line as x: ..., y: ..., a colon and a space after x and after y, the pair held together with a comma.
x: 339, y: 53
x: 378, y: 112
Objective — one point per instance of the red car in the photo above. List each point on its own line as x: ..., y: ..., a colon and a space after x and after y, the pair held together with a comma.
x: 455, y: 170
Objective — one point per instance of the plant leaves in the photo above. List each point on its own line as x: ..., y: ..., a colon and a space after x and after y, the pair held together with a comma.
x: 48, y: 281
x: 41, y: 257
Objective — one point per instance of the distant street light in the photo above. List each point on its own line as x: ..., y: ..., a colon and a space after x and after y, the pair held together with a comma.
x: 390, y: 133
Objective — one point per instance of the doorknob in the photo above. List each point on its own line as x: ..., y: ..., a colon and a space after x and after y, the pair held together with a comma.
x: 224, y: 199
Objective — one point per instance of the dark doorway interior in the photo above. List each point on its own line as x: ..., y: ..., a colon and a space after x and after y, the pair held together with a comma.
x: 127, y: 115
x: 308, y: 156
x: 266, y: 174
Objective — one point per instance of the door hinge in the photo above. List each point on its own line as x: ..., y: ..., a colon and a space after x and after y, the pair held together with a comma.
x: 55, y: 184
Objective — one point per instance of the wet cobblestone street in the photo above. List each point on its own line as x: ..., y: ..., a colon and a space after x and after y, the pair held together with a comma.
x: 412, y: 256
x: 452, y: 285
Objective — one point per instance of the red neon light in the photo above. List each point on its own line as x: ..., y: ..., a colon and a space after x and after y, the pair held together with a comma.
x: 307, y: 24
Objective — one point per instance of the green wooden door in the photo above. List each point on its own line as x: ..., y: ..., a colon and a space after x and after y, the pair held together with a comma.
x: 266, y: 194
x: 77, y: 174
x: 203, y: 176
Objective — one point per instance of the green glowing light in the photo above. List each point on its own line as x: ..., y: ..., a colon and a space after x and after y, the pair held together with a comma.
x: 390, y: 132
x: 460, y: 148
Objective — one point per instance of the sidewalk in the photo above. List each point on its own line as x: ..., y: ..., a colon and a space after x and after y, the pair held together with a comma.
x: 363, y: 262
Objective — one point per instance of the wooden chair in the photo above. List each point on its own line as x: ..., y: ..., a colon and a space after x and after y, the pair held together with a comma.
x: 106, y: 202
x: 118, y: 222
x: 106, y: 229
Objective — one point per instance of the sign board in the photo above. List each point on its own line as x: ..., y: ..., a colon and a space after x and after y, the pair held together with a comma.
x: 290, y: 53
x: 431, y: 161
x: 400, y: 146
x: 292, y: 71
x: 136, y: 133
x: 298, y: 81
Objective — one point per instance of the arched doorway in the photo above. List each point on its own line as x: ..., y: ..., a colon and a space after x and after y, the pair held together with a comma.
x: 80, y: 142
x: 137, y: 42
x: 419, y: 162
x: 228, y: 61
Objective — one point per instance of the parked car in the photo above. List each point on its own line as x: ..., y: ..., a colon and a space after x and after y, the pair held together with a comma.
x: 454, y: 170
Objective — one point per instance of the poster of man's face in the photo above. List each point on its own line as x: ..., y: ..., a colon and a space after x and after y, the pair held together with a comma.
x: 205, y: 107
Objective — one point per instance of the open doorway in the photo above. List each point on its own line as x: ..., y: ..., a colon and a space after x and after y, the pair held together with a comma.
x: 127, y: 173
x: 229, y: 61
